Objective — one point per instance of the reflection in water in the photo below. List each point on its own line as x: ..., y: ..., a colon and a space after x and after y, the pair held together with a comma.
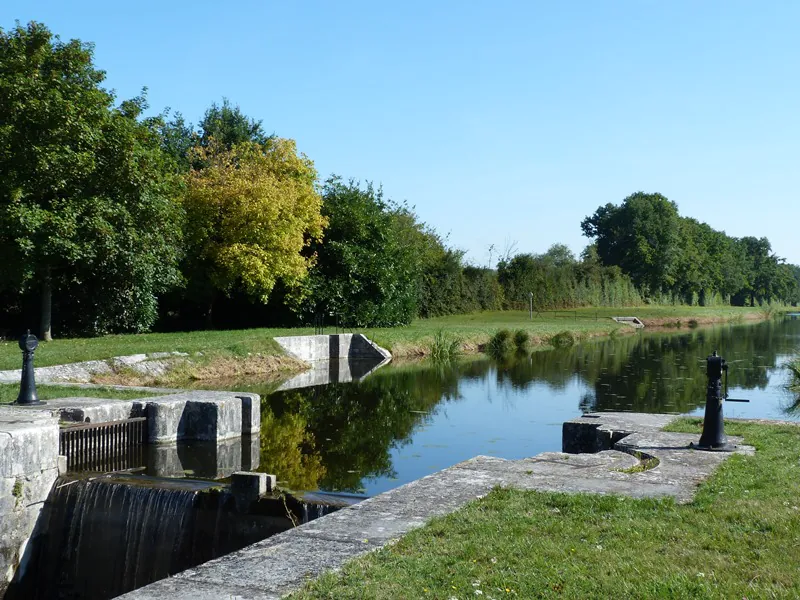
x: 405, y: 422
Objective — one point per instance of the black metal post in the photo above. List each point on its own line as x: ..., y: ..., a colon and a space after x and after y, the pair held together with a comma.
x: 713, y: 437
x: 27, y: 386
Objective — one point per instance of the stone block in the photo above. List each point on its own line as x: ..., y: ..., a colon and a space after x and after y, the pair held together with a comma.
x: 252, y: 483
x: 251, y: 412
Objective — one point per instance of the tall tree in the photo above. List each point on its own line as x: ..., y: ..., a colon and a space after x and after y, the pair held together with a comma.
x: 641, y: 236
x: 84, y: 192
x: 249, y: 214
x: 366, y: 271
x: 228, y: 125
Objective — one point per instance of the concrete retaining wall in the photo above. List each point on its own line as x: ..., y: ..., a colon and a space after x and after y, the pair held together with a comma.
x: 28, y: 468
x: 353, y: 346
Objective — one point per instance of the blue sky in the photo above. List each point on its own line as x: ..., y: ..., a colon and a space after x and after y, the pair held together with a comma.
x: 502, y: 122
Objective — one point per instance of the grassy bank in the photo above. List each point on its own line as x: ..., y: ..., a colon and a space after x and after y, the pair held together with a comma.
x: 738, y: 539
x: 474, y: 330
x: 221, y: 353
x: 9, y: 392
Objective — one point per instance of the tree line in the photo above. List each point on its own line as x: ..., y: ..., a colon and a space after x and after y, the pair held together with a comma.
x: 113, y: 221
x: 675, y: 259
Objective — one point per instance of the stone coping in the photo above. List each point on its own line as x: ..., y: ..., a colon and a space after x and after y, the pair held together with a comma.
x: 186, y: 415
x: 283, y: 563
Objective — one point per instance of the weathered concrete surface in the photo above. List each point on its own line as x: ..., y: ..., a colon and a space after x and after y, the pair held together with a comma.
x: 276, y: 566
x: 154, y: 364
x: 94, y: 410
x: 28, y: 468
x: 187, y: 415
x: 594, y: 432
x: 310, y: 348
x: 201, y: 415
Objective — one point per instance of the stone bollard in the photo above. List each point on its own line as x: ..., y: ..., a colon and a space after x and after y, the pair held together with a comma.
x: 256, y: 484
x: 27, y: 387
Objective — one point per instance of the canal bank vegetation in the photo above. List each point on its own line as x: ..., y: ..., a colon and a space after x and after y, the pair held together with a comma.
x: 737, y: 539
x: 219, y: 355
x: 164, y: 225
x: 794, y: 374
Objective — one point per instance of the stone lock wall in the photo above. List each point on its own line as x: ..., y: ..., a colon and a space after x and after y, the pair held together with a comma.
x: 28, y: 469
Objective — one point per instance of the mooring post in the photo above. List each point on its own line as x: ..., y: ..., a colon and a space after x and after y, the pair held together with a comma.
x: 27, y: 386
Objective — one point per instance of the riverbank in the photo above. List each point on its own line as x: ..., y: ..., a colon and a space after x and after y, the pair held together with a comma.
x: 734, y: 540
x: 213, y: 355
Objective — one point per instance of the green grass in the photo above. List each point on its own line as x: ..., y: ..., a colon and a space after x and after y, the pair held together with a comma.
x: 9, y: 392
x: 477, y: 328
x: 740, y: 538
x: 233, y: 343
x: 472, y: 330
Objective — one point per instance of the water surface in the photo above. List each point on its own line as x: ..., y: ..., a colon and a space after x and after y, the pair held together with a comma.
x: 404, y: 422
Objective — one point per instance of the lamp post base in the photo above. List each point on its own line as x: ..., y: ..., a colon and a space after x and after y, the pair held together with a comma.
x: 726, y: 447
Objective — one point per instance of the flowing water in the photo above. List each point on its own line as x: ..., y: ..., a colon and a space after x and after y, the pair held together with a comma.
x: 404, y: 422
x: 100, y: 537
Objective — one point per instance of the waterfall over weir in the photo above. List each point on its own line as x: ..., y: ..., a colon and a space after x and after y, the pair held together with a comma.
x: 99, y: 538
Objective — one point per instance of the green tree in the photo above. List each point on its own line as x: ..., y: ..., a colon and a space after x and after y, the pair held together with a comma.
x: 641, y: 236
x: 228, y: 125
x: 249, y: 214
x: 366, y: 272
x: 86, y: 200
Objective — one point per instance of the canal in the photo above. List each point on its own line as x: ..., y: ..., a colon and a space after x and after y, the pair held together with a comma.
x: 406, y: 421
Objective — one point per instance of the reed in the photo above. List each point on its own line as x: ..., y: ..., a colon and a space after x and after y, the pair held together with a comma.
x: 501, y: 344
x: 444, y: 347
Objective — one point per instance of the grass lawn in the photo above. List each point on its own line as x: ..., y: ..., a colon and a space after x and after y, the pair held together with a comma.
x: 9, y: 393
x: 476, y: 329
x: 740, y: 538
x: 414, y: 339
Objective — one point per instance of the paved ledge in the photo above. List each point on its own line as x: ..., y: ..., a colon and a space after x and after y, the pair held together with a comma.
x: 283, y: 563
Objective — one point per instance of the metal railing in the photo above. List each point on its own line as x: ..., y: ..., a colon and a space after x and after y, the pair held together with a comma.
x: 111, y: 446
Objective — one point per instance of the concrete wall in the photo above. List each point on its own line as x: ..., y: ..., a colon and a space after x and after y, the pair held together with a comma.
x: 311, y: 348
x: 28, y: 468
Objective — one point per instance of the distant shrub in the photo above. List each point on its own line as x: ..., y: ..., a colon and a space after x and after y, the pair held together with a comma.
x: 501, y: 344
x: 693, y: 324
x: 563, y: 339
x: 522, y: 339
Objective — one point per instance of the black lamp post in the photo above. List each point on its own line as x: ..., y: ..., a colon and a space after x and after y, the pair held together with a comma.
x: 27, y: 387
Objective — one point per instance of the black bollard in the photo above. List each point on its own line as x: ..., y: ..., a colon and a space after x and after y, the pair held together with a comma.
x: 27, y: 387
x: 713, y: 437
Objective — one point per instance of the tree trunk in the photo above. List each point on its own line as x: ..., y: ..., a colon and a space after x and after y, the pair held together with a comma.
x: 47, y: 307
x: 210, y: 313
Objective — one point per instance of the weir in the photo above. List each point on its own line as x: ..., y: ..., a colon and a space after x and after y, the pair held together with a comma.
x: 99, y: 537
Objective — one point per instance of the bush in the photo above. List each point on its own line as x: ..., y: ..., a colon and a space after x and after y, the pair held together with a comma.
x: 501, y: 344
x: 522, y: 340
x: 563, y: 339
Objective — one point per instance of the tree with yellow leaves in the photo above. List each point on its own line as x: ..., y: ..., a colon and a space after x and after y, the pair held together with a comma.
x: 250, y: 211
